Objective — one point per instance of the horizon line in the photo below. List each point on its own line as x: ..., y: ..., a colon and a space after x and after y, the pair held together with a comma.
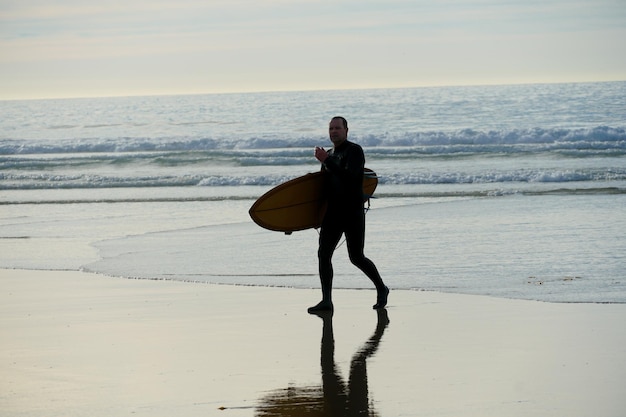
x: 296, y: 90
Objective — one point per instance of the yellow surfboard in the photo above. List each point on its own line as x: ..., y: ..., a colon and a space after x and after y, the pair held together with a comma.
x: 299, y: 204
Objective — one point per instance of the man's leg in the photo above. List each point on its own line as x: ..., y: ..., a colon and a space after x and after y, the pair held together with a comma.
x: 330, y: 233
x: 355, y: 239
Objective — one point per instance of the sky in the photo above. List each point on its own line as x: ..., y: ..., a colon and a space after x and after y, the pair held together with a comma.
x: 87, y: 48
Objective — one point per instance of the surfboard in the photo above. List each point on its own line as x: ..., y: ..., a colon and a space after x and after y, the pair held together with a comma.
x: 299, y: 204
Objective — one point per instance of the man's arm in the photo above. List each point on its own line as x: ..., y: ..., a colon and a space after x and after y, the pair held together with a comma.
x: 353, y: 167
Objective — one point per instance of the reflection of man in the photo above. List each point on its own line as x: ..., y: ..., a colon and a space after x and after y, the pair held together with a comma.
x: 334, y: 399
x: 343, y: 167
x: 354, y: 402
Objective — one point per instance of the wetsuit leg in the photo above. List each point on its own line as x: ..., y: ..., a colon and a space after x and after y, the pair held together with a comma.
x: 330, y: 234
x: 355, y: 239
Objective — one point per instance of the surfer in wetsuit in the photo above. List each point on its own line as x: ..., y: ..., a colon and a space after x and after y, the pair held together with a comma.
x: 343, y: 166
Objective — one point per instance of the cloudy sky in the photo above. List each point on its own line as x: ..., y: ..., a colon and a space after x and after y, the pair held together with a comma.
x: 76, y: 48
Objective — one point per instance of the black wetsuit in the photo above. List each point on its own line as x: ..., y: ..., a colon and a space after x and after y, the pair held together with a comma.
x: 345, y: 213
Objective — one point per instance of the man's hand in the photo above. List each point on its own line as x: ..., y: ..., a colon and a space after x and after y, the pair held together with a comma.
x: 320, y: 154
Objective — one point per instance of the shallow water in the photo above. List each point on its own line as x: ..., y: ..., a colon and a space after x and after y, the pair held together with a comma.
x: 567, y: 248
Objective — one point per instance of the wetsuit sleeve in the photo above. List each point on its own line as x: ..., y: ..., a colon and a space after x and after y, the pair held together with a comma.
x: 352, y: 167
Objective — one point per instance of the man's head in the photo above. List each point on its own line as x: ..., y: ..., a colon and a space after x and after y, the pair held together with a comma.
x: 338, y: 130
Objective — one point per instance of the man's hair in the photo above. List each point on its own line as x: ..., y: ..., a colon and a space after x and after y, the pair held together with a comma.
x: 343, y: 120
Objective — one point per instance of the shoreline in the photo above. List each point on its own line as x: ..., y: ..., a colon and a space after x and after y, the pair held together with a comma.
x: 77, y: 343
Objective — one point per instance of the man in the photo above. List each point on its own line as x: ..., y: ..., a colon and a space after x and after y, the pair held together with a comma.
x: 343, y: 166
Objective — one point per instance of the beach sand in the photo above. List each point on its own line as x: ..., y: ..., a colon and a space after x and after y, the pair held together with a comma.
x: 78, y: 344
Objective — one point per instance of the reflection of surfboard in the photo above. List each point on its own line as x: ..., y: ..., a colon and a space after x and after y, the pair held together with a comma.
x: 299, y: 204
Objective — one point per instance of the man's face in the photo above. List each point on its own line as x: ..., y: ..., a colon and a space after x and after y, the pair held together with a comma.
x: 337, y: 132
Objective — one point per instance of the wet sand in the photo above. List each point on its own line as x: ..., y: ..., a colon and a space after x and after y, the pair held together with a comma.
x: 74, y: 343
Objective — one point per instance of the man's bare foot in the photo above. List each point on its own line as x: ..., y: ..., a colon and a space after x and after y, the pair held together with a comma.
x: 381, y: 299
x: 321, y: 306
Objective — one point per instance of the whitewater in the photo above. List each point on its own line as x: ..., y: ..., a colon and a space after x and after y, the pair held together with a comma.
x: 515, y: 191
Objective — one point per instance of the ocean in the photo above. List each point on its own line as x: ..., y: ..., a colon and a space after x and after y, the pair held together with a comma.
x: 512, y: 191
